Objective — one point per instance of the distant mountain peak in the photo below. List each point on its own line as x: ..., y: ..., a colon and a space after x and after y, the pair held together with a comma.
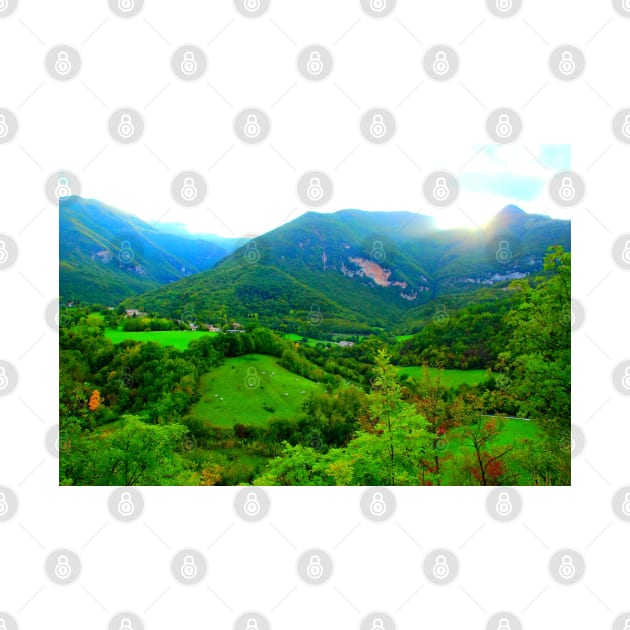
x: 512, y: 211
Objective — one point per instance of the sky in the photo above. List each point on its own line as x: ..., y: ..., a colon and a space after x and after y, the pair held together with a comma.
x: 506, y: 174
x: 497, y: 175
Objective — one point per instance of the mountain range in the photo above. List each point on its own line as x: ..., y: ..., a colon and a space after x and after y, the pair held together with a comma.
x: 106, y: 255
x: 352, y: 270
x: 347, y: 270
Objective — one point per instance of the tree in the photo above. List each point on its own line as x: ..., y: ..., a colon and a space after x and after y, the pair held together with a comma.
x: 136, y: 454
x: 537, y: 359
x: 489, y: 468
x: 441, y: 414
x: 95, y: 401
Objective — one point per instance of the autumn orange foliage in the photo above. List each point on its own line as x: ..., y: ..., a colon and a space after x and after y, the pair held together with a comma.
x: 95, y: 400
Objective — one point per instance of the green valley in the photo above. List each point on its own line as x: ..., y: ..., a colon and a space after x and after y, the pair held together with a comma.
x: 350, y: 348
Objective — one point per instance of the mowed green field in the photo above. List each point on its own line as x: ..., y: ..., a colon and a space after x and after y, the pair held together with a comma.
x: 310, y: 341
x: 448, y: 378
x: 177, y: 338
x: 241, y: 388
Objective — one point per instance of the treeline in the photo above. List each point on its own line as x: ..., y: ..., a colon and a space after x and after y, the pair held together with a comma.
x: 466, y: 339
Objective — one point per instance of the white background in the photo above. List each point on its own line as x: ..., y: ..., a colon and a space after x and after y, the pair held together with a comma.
x: 252, y: 62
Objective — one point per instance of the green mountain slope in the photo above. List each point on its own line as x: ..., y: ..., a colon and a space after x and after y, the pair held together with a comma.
x: 351, y: 269
x: 106, y: 255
